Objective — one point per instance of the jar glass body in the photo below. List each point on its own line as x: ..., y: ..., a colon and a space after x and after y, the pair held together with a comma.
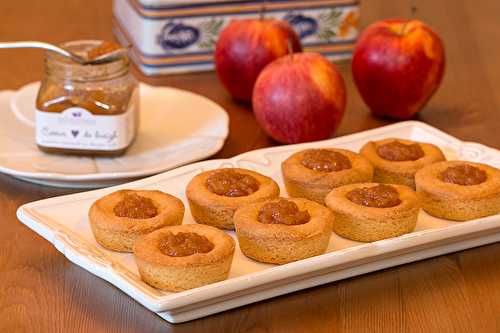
x: 86, y: 109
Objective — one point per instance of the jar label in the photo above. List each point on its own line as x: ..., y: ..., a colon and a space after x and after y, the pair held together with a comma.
x: 77, y: 128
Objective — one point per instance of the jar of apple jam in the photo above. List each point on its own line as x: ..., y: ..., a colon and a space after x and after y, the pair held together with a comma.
x: 87, y: 109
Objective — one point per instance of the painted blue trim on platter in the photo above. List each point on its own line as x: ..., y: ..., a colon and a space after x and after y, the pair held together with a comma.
x: 345, y: 53
x: 305, y: 45
x: 243, y: 12
x: 334, y: 42
x: 177, y: 65
x: 166, y: 55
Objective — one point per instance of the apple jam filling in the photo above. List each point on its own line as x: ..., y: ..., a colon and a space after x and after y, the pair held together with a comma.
x: 184, y: 244
x: 283, y: 212
x: 325, y: 160
x: 230, y: 183
x: 463, y: 175
x: 379, y: 196
x: 104, y: 48
x: 398, y: 151
x: 136, y: 207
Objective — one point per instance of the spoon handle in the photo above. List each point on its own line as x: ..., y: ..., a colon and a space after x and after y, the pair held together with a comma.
x: 39, y: 45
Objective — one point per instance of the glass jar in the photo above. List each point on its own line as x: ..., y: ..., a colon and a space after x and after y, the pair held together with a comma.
x: 86, y: 109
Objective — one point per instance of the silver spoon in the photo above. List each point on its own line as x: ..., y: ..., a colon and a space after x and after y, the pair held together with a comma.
x: 65, y: 53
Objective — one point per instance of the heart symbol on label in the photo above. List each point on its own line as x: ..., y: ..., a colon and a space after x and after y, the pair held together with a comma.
x: 75, y: 133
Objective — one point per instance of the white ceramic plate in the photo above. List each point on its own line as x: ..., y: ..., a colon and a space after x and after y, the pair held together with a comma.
x: 63, y: 222
x: 177, y: 127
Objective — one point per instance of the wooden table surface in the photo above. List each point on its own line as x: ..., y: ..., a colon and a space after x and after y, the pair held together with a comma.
x: 40, y: 290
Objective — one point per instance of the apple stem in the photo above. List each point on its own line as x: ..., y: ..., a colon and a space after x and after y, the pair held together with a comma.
x: 290, y: 48
x: 413, y: 11
x: 262, y: 11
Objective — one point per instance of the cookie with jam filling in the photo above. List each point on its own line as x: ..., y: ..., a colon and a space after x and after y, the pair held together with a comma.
x: 396, y: 160
x: 313, y: 173
x: 118, y: 218
x: 215, y: 195
x: 183, y: 257
x: 280, y: 231
x: 369, y: 212
x: 459, y: 190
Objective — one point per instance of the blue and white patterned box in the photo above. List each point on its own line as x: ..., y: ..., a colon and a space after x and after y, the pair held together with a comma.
x: 171, y: 36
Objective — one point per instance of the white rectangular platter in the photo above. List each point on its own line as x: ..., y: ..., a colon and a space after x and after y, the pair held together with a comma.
x: 63, y: 222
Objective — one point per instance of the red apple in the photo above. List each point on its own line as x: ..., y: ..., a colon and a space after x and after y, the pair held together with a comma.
x: 245, y: 47
x: 299, y: 97
x: 397, y: 66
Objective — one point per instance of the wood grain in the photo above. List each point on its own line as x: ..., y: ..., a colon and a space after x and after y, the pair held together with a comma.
x: 41, y: 291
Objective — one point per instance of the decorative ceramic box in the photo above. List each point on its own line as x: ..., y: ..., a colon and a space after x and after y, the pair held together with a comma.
x: 169, y: 36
